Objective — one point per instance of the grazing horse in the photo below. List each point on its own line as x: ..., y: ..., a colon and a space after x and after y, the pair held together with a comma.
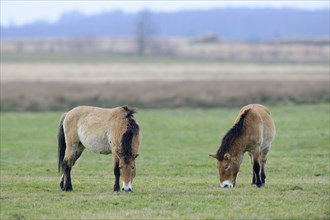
x: 102, y: 131
x: 253, y: 132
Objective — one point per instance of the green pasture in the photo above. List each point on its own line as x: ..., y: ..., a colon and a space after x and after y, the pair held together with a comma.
x: 176, y: 179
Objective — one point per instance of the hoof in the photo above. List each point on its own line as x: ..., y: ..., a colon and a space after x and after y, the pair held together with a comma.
x: 116, y: 188
x: 67, y: 189
x: 260, y: 185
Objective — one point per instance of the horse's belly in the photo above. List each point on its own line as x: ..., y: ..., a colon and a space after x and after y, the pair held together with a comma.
x: 98, y: 147
x: 98, y: 143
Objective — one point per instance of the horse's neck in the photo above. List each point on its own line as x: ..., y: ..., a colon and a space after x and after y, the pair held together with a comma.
x: 237, y: 148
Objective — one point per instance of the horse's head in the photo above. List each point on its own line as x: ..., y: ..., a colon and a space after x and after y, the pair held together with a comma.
x: 228, y: 169
x: 127, y: 171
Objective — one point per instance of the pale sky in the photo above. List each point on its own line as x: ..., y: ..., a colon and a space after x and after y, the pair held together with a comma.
x: 26, y: 11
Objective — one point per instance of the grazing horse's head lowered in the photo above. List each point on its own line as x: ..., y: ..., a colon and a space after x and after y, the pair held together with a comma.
x: 228, y: 170
x: 252, y: 132
x: 228, y: 166
x: 127, y: 171
x: 127, y: 154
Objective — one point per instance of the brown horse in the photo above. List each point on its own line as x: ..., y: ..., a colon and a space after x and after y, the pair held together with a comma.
x: 253, y: 132
x: 103, y: 131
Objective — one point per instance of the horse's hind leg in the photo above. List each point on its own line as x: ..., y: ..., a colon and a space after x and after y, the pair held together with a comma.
x: 257, y: 173
x: 255, y: 159
x: 71, y: 156
x: 263, y: 174
x: 66, y: 184
x: 263, y: 160
x: 253, y: 173
x: 62, y: 181
x: 253, y: 178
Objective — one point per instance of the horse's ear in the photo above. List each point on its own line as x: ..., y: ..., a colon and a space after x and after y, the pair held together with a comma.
x: 213, y: 155
x: 226, y: 156
x: 136, y: 156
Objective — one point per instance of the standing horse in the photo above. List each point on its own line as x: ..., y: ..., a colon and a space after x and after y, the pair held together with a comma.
x: 102, y: 131
x: 253, y: 132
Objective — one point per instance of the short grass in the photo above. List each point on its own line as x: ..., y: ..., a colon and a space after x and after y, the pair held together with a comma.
x: 176, y: 179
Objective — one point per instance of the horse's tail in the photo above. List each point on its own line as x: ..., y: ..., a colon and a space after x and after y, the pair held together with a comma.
x: 61, y: 144
x: 132, y: 129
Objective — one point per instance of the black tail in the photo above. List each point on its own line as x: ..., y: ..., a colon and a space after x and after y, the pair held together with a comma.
x: 132, y: 129
x: 61, y: 145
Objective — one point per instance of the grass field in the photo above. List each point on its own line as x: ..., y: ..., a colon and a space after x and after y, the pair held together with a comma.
x: 58, y: 81
x: 175, y: 177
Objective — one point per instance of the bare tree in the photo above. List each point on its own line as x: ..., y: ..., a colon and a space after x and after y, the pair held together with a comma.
x: 144, y: 31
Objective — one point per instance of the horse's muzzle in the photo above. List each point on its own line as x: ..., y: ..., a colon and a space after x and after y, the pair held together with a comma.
x: 226, y: 184
x: 127, y: 189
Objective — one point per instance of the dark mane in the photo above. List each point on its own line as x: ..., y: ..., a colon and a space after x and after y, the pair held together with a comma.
x: 132, y: 129
x: 230, y: 136
x: 130, y: 112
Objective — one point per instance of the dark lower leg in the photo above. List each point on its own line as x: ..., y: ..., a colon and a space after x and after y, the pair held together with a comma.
x: 116, y: 186
x: 256, y: 169
x: 253, y: 178
x: 67, y: 186
x: 263, y: 169
x: 263, y: 175
x: 62, y: 182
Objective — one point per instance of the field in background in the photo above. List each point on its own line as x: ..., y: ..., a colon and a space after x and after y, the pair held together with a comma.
x: 35, y: 77
x: 158, y: 70
x: 175, y: 176
x: 203, y: 47
x: 45, y: 96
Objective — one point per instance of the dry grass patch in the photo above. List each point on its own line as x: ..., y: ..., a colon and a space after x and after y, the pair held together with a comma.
x: 41, y: 96
x: 158, y: 71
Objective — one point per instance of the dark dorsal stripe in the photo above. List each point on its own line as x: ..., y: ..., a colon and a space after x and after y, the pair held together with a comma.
x: 230, y: 136
x: 132, y: 129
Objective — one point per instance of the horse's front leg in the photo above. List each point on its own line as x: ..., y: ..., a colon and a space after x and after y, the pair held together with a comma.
x: 116, y: 170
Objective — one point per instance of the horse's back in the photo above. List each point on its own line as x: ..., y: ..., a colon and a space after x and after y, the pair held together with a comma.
x: 95, y: 128
x: 87, y: 117
x: 94, y: 115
